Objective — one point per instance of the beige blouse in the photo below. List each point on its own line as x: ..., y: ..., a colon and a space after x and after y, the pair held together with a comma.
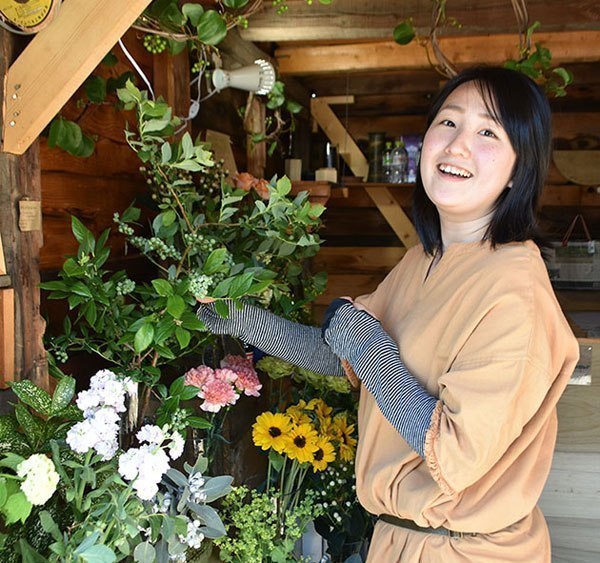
x: 485, y: 334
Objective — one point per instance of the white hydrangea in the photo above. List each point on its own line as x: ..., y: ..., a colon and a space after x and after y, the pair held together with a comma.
x: 176, y: 445
x: 151, y: 434
x: 40, y: 478
x: 145, y: 466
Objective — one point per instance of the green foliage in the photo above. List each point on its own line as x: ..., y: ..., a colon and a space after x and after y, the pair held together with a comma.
x: 404, y: 32
x: 537, y: 64
x: 38, y: 417
x: 276, y: 368
x: 224, y: 244
x: 133, y: 326
x: 253, y: 530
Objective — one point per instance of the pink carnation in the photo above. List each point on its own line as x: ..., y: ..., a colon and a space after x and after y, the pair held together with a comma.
x: 225, y: 374
x: 236, y: 362
x: 248, y: 382
x: 217, y: 394
x: 199, y: 376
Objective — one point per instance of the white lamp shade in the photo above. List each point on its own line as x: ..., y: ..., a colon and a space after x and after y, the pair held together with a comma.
x: 258, y: 77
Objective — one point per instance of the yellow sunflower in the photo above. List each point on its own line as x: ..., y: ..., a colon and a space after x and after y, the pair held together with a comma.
x: 301, y: 443
x: 271, y: 430
x: 324, y: 455
x: 322, y: 409
x: 344, y: 435
x: 297, y: 414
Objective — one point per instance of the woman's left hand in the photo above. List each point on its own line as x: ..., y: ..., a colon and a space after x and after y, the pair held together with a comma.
x: 348, y: 330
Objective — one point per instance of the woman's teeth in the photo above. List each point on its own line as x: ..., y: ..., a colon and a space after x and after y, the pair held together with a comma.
x: 452, y: 170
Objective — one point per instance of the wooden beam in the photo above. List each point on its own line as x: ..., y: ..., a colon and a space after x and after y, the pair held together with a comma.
x: 56, y: 63
x: 349, y: 150
x: 349, y: 20
x: 566, y: 47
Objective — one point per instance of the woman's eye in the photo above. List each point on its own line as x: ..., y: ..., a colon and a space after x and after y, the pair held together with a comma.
x: 447, y: 122
x: 488, y: 133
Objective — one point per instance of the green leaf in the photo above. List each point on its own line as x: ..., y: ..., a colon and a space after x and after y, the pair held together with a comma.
x: 143, y: 338
x: 63, y: 394
x: 28, y: 554
x: 49, y: 525
x: 193, y: 12
x: 17, y: 508
x: 222, y: 308
x: 198, y: 422
x: 187, y: 146
x: 79, y: 288
x: 211, y: 28
x: 275, y: 460
x: 38, y: 399
x: 168, y: 218
x: 215, y: 260
x: 95, y: 89
x: 31, y: 425
x: 404, y: 32
x: 155, y: 125
x: 183, y: 337
x: 144, y: 552
x: 284, y: 186
x: 162, y: 287
x: 98, y: 554
x: 79, y: 229
x: 109, y: 60
x: 235, y: 4
x: 165, y: 152
x: 90, y: 312
x: 131, y: 214
x: 175, y: 306
x: 241, y: 285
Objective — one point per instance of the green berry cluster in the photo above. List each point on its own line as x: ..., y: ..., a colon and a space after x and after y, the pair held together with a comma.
x: 242, y: 22
x: 155, y: 44
x: 200, y: 284
x: 199, y: 242
x: 281, y: 6
x: 125, y: 287
x: 178, y: 420
x: 157, y: 245
x: 61, y: 356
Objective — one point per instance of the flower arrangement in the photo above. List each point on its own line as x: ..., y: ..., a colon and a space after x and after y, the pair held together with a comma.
x: 82, y: 498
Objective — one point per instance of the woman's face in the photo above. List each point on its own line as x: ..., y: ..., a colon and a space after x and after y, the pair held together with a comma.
x: 467, y: 159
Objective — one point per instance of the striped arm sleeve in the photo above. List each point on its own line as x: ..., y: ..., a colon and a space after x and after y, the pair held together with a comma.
x: 298, y: 344
x: 358, y: 337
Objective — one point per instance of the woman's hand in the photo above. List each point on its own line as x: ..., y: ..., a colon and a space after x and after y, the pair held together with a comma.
x: 348, y: 329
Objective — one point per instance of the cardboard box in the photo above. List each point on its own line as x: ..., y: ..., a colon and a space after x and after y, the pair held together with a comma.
x: 575, y: 265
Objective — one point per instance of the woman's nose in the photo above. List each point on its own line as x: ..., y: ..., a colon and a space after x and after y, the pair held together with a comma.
x: 458, y: 145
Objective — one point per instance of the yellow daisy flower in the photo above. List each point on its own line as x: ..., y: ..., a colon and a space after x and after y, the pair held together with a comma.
x: 322, y: 409
x: 301, y: 443
x: 271, y: 430
x: 324, y: 455
x: 346, y: 440
x: 297, y: 414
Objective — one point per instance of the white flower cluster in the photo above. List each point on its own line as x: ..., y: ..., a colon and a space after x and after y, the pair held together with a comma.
x: 101, y: 405
x: 40, y: 480
x: 146, y: 465
x: 194, y: 536
x: 197, y: 493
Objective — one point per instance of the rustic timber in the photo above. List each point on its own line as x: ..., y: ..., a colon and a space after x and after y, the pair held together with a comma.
x: 375, y: 19
x: 60, y: 58
x: 19, y: 179
x: 357, y: 162
x: 171, y: 80
x: 566, y: 46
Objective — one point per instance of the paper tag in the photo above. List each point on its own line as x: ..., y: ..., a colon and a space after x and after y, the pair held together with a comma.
x: 30, y: 215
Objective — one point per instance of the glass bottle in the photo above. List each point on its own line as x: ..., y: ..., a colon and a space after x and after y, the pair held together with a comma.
x: 386, y: 162
x: 399, y: 163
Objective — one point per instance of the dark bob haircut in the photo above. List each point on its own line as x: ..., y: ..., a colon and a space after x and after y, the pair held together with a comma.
x: 519, y: 105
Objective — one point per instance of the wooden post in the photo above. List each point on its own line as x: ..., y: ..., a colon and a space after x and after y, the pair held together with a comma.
x: 7, y: 324
x: 171, y: 80
x: 256, y: 152
x: 19, y: 180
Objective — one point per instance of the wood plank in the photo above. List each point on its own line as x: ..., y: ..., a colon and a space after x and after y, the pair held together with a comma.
x: 7, y: 336
x: 577, y: 534
x: 371, y: 19
x: 357, y: 162
x: 357, y: 259
x: 172, y: 82
x: 19, y: 179
x: 109, y: 159
x: 566, y: 47
x: 57, y: 61
x: 348, y: 284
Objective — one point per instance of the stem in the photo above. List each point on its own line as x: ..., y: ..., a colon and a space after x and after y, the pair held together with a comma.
x: 80, y: 489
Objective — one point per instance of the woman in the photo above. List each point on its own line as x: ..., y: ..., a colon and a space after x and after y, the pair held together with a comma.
x: 465, y: 353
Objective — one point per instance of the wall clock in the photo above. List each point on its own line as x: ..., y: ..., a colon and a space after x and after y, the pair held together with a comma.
x: 29, y: 16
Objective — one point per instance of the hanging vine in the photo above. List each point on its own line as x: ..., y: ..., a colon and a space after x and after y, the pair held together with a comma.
x: 534, y: 61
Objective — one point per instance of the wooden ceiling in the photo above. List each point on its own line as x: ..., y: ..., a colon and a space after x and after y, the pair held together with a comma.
x: 347, y: 48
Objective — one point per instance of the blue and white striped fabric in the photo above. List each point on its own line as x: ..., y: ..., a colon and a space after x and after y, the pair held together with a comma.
x: 349, y: 334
